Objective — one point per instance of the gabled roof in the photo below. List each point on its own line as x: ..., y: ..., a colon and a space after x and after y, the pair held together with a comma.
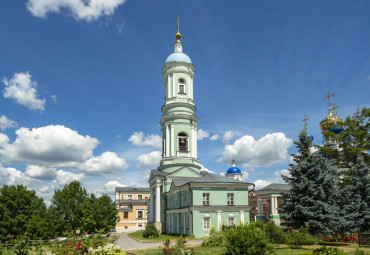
x: 182, y: 181
x: 215, y: 178
x: 276, y: 186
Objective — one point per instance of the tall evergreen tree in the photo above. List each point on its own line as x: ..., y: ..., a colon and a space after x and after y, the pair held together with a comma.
x: 313, y: 193
x: 357, y: 204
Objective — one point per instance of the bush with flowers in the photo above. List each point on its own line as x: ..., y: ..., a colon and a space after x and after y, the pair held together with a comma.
x: 177, y: 249
x: 94, y: 244
x: 353, y: 238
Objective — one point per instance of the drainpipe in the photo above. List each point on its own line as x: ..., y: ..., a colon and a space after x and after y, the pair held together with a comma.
x: 190, y: 212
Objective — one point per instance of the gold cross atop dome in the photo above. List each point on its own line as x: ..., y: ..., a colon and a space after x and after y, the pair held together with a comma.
x: 328, y: 97
x: 305, y: 122
x: 233, y: 160
x: 334, y: 108
x: 178, y: 35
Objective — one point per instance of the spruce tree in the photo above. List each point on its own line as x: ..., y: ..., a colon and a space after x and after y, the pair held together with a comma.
x: 314, y: 191
x: 357, y: 204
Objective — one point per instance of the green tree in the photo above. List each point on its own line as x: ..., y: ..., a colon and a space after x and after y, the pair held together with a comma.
x: 106, y: 213
x: 314, y: 192
x: 68, y: 206
x: 22, y: 211
x: 357, y: 208
x: 350, y: 143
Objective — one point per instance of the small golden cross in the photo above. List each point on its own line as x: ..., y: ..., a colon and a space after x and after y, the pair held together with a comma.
x: 328, y: 97
x: 334, y: 108
x: 305, y: 122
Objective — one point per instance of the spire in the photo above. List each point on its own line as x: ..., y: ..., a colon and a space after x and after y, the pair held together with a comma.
x: 178, y: 44
x: 233, y: 161
x: 178, y: 35
x: 305, y: 122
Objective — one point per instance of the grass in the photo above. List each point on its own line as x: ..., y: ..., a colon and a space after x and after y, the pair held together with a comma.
x: 139, y: 237
x: 281, y: 249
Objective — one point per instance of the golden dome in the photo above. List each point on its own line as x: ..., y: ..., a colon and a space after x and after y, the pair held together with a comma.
x: 329, y: 120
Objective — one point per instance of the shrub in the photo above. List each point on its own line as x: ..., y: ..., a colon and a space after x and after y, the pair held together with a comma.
x: 247, y: 239
x: 177, y: 249
x: 359, y: 252
x: 150, y: 231
x: 297, y: 238
x: 327, y: 251
x: 215, y: 238
x: 275, y: 233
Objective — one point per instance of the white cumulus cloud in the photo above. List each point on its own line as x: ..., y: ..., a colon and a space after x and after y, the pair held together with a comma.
x: 23, y: 90
x: 63, y: 177
x: 52, y: 146
x: 279, y: 173
x: 203, y: 168
x: 12, y: 176
x: 40, y: 172
x: 4, y: 139
x: 268, y: 150
x: 259, y: 184
x: 138, y: 139
x: 228, y: 136
x: 106, y: 163
x: 81, y: 9
x: 6, y: 123
x: 214, y: 137
x: 149, y: 160
x: 201, y: 134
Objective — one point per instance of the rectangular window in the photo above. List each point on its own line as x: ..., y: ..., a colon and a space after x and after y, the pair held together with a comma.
x: 205, y: 198
x: 206, y: 223
x: 122, y: 196
x: 129, y: 196
x: 230, y: 198
x: 139, y: 196
x: 140, y: 215
x: 181, y: 89
x: 231, y: 221
x: 125, y: 215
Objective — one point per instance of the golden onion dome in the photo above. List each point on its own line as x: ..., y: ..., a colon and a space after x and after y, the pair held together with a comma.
x: 331, y: 119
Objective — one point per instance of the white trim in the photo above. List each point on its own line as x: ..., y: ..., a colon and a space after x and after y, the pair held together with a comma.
x: 168, y: 86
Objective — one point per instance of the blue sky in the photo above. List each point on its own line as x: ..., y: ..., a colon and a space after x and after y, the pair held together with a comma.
x: 81, y: 86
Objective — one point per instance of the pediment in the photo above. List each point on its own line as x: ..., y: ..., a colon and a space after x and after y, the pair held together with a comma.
x: 185, y: 172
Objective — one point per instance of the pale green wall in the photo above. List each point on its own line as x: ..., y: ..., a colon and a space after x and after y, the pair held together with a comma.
x: 218, y: 196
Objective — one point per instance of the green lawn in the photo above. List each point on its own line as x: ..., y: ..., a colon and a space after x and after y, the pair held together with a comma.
x: 281, y: 249
x: 139, y: 237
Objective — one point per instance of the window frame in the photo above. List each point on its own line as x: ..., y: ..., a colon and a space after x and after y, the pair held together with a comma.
x: 209, y: 219
x: 182, y: 135
x: 125, y: 215
x: 129, y: 196
x: 206, y: 199
x: 139, y: 196
x: 230, y: 199
x: 181, y: 84
x: 233, y: 221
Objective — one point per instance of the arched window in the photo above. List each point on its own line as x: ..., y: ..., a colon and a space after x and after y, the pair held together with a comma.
x: 183, y: 142
x: 182, y: 86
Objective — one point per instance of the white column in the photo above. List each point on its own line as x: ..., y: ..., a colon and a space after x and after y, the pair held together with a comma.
x: 184, y: 231
x: 167, y: 150
x: 192, y: 142
x: 272, y: 205
x: 158, y: 203
x: 172, y: 140
x: 151, y: 206
x: 173, y: 85
x: 242, y: 217
x: 191, y: 88
x: 276, y: 205
x: 188, y: 88
x: 219, y: 220
x: 168, y: 86
x: 195, y: 142
x: 260, y: 206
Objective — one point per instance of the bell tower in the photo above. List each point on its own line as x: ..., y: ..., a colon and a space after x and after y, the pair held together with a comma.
x: 178, y: 122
